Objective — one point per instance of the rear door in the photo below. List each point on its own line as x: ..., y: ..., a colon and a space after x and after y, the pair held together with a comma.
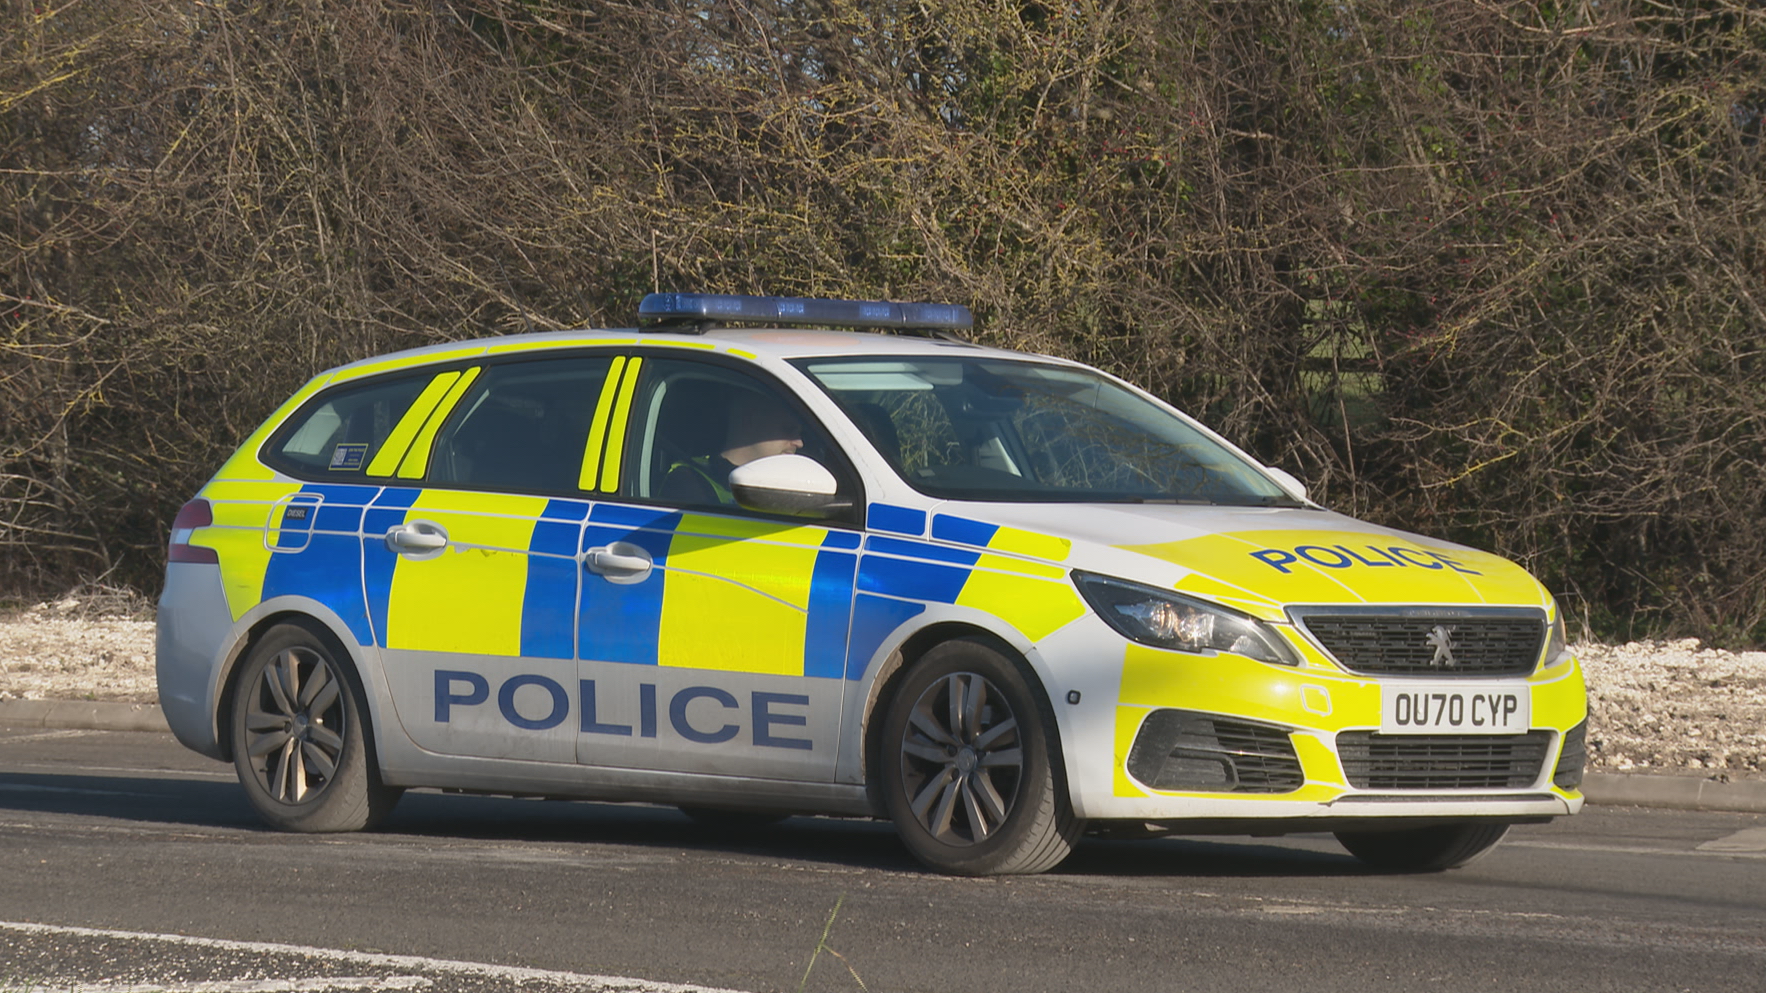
x: 474, y: 579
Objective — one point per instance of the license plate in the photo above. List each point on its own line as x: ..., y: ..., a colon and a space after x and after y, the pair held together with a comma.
x: 1455, y: 708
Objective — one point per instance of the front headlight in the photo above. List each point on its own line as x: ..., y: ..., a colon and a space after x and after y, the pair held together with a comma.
x: 1557, y: 638
x: 1164, y: 619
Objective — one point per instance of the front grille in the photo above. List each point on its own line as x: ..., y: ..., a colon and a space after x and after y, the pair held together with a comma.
x: 1433, y: 645
x: 1184, y: 750
x: 1375, y: 761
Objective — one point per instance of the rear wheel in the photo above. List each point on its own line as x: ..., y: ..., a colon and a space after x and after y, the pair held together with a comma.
x: 1429, y: 849
x: 300, y: 737
x: 969, y: 766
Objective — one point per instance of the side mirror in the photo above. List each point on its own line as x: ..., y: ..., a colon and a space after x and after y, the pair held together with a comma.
x: 785, y: 484
x: 1287, y: 481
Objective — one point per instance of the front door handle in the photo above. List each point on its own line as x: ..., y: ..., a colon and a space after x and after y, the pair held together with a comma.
x: 417, y: 539
x: 621, y: 562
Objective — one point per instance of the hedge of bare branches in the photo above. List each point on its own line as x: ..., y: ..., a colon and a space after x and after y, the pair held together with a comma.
x: 1486, y: 269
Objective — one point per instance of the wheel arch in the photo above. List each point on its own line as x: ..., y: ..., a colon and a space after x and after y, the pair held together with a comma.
x: 884, y: 686
x: 324, y: 625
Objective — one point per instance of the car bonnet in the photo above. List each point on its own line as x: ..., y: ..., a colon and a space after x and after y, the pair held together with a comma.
x: 1263, y: 560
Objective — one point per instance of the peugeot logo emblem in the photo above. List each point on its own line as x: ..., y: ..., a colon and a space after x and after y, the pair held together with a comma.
x: 1441, y: 639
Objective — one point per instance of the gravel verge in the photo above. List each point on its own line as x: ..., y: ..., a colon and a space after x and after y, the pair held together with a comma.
x: 78, y: 649
x: 1658, y: 707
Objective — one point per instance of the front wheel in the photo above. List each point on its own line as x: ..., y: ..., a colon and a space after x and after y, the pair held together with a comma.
x: 1429, y: 849
x: 970, y: 767
x: 300, y: 738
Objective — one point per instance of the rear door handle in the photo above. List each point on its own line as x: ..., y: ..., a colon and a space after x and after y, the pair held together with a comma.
x: 417, y: 539
x: 621, y: 562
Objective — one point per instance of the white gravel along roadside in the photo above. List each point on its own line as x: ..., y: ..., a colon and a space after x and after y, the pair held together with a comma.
x: 1672, y: 706
x: 67, y: 650
x: 1661, y: 707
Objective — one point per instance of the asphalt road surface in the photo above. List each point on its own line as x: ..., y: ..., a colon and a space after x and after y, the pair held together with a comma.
x: 127, y: 863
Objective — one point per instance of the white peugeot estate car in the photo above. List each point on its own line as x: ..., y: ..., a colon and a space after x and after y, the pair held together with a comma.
x: 749, y: 561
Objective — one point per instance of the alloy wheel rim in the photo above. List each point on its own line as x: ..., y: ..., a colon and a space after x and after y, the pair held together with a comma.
x: 962, y: 759
x: 294, y: 726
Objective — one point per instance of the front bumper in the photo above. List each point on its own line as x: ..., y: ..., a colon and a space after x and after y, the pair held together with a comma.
x: 1226, y: 738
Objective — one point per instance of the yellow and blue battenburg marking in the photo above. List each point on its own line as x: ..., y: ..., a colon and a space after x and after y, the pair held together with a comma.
x: 724, y: 593
x: 619, y: 623
x: 895, y: 520
x: 898, y: 577
x: 329, y: 535
x: 388, y: 510
x: 787, y: 613
x: 549, y: 599
x: 316, y: 542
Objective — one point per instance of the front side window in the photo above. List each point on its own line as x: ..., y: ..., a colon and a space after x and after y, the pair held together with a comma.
x: 522, y: 426
x: 988, y: 429
x: 694, y: 422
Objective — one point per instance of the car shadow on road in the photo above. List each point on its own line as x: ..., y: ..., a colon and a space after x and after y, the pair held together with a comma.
x: 171, y: 800
x: 1211, y: 857
x: 192, y: 802
x: 856, y: 843
x: 853, y: 843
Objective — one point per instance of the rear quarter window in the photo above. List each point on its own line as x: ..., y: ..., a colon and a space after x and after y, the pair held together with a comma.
x: 338, y: 435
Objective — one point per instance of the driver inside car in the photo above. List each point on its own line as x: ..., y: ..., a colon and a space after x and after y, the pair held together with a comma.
x: 758, y: 427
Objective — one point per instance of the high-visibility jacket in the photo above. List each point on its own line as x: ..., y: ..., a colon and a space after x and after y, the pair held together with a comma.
x: 700, y: 479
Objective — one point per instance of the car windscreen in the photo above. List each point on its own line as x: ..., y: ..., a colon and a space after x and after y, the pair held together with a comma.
x: 988, y: 429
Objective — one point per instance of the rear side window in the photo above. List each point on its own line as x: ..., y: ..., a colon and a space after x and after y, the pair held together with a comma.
x: 522, y: 426
x: 340, y: 436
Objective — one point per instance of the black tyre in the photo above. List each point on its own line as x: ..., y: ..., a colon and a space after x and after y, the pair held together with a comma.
x: 300, y: 737
x: 1429, y: 849
x: 970, y: 766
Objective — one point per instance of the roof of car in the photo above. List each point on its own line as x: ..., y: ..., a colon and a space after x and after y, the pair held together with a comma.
x: 777, y: 343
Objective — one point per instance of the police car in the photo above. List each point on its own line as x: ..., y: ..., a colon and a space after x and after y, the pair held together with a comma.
x: 750, y: 561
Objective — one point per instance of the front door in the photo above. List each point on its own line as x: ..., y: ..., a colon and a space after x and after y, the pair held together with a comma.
x: 711, y: 639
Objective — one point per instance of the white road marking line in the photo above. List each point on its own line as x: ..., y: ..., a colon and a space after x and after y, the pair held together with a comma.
x: 623, y: 984
x: 376, y: 846
x: 1748, y: 840
x: 32, y: 788
x: 1759, y: 853
x: 133, y: 832
x: 44, y: 736
x: 139, y: 771
x: 1280, y: 907
x: 248, y: 985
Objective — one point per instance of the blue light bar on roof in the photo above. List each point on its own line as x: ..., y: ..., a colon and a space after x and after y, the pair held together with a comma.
x: 804, y: 311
